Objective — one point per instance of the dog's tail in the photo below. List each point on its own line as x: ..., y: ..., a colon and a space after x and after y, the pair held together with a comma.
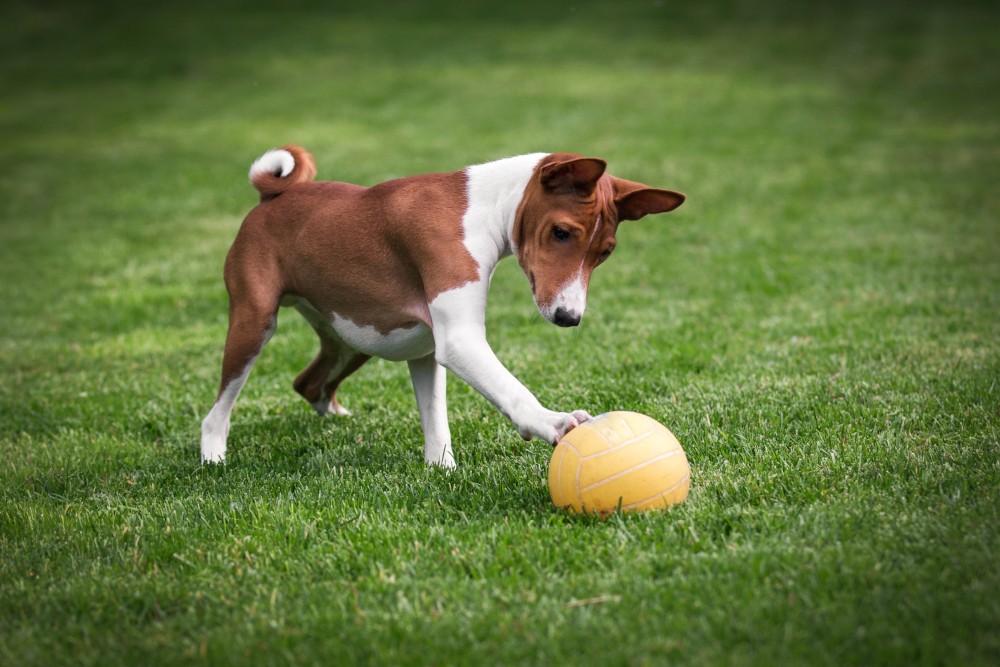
x: 277, y: 170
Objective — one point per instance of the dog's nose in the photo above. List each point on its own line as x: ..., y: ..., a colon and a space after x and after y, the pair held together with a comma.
x: 564, y: 318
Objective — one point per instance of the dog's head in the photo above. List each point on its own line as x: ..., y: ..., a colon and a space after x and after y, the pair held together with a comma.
x: 566, y: 226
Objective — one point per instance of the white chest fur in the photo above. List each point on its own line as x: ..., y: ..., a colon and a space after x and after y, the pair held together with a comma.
x: 396, y: 345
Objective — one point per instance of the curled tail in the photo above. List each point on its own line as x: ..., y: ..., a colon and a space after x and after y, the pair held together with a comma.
x: 277, y: 170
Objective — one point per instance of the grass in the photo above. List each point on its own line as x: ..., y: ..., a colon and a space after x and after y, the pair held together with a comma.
x: 817, y: 324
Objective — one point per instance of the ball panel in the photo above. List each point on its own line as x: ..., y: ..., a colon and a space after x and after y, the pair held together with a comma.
x: 644, y: 481
x: 635, y: 423
x: 563, y: 475
x: 612, y: 462
x: 673, y: 495
x: 586, y: 439
x: 616, y: 428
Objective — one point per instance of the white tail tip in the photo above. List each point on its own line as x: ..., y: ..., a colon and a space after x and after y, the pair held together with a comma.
x: 278, y: 162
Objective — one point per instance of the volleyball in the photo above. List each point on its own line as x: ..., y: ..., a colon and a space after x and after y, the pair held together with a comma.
x: 618, y: 461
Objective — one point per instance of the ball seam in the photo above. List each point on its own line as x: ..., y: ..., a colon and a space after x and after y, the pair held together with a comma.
x: 686, y: 478
x: 638, y: 466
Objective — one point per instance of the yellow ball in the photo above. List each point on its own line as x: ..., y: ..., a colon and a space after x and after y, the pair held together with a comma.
x: 618, y: 459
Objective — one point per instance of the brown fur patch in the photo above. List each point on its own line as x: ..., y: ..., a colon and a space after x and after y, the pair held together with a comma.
x: 376, y: 256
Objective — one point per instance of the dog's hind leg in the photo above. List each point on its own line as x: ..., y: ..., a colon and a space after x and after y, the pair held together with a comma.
x: 336, y: 360
x: 319, y: 381
x: 251, y: 325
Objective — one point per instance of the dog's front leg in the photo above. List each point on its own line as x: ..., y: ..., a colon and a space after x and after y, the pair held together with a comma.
x: 429, y: 385
x: 460, y: 345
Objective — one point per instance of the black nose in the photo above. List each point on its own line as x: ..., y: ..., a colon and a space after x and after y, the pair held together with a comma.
x: 564, y: 318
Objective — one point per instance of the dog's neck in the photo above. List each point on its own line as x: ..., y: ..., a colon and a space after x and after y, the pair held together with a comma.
x: 494, y: 193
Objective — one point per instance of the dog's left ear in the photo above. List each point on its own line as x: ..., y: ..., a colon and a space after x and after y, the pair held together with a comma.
x: 578, y: 175
x: 635, y: 200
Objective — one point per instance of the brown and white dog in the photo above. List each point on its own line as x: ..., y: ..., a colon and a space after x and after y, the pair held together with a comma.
x: 401, y: 270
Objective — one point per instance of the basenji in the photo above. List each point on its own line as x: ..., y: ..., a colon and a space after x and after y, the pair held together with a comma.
x: 401, y: 270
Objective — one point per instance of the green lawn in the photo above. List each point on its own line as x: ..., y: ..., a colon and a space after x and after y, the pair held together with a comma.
x: 818, y: 324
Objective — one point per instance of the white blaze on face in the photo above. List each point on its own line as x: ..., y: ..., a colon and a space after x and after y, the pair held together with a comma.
x: 572, y: 298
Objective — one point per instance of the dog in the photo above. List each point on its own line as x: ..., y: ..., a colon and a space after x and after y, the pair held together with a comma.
x: 401, y: 270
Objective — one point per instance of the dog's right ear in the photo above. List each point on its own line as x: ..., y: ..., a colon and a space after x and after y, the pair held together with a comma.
x: 635, y: 200
x: 578, y: 175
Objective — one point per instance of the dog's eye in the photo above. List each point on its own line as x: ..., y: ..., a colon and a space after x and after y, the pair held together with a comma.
x: 604, y: 255
x: 560, y: 234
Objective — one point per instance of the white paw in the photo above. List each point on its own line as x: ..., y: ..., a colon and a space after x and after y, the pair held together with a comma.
x: 552, y: 426
x: 213, y: 452
x: 446, y: 460
x: 213, y: 439
x: 339, y: 410
x: 324, y: 408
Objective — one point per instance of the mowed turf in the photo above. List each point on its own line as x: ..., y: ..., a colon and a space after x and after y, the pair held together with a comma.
x: 818, y: 325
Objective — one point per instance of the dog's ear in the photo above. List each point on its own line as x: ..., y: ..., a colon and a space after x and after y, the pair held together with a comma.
x: 635, y: 200
x: 578, y: 175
